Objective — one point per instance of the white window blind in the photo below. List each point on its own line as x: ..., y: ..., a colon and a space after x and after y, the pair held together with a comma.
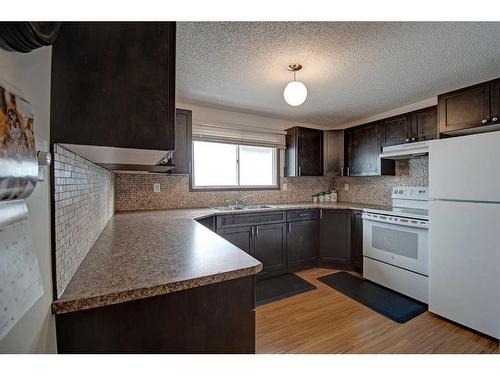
x: 238, y: 134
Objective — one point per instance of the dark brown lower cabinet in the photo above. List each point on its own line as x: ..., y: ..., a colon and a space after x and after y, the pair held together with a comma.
x: 215, y: 318
x: 357, y: 241
x: 303, y: 241
x: 241, y: 237
x: 208, y: 222
x: 302, y: 244
x: 335, y: 238
x: 270, y: 249
x: 265, y: 242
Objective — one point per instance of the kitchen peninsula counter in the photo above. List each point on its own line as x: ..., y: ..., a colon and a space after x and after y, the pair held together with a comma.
x: 147, y: 253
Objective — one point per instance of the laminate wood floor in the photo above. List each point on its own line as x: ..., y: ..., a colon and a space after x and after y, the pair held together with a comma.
x: 326, y: 321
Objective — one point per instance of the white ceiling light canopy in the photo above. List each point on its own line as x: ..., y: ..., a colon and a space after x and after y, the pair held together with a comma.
x: 295, y: 92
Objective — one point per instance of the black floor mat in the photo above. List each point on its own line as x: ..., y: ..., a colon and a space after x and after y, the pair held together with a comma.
x: 391, y: 304
x: 280, y: 287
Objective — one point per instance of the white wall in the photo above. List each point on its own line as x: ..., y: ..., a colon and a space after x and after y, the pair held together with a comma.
x: 210, y: 114
x: 35, y: 331
x: 393, y: 112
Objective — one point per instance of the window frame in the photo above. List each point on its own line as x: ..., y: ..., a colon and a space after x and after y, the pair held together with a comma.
x: 276, y: 166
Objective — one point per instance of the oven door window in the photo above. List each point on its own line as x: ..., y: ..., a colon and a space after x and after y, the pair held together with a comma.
x: 395, y: 241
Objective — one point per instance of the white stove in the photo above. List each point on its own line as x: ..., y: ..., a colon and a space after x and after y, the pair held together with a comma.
x: 395, y: 243
x: 407, y: 202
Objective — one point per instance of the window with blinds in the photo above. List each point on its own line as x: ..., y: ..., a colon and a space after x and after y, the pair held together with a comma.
x: 232, y: 157
x: 237, y: 134
x: 233, y: 166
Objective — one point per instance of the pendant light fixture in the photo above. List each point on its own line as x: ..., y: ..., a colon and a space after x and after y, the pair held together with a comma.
x: 295, y: 92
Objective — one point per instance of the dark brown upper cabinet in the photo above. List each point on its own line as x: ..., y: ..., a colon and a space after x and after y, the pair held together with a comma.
x: 414, y: 126
x: 495, y: 101
x: 304, y: 152
x: 396, y: 130
x: 465, y: 108
x: 183, y: 141
x: 113, y: 84
x: 333, y: 153
x: 424, y: 124
x: 363, y: 147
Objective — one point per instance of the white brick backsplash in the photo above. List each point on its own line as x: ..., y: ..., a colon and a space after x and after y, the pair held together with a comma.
x: 84, y: 199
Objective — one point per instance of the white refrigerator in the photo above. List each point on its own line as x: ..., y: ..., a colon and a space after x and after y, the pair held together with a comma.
x: 464, y: 231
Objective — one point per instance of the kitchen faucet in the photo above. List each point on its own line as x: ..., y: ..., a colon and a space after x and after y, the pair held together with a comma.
x: 242, y: 199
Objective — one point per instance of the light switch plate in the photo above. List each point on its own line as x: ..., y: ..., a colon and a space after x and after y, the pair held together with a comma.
x: 346, y: 186
x: 156, y: 188
x: 284, y: 187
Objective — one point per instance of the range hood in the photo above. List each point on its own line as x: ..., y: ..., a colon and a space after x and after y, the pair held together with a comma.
x: 125, y: 160
x: 405, y: 151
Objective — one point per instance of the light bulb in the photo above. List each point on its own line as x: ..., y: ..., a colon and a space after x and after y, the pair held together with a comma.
x: 295, y: 93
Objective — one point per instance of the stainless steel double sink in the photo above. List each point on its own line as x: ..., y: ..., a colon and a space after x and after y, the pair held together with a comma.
x: 244, y: 207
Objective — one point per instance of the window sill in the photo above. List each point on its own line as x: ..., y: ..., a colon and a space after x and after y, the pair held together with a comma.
x: 222, y: 189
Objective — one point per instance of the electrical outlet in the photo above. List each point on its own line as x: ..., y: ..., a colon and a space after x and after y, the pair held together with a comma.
x: 346, y: 186
x: 156, y: 187
x: 284, y: 187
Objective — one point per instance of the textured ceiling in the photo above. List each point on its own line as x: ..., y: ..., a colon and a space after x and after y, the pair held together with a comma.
x: 352, y: 70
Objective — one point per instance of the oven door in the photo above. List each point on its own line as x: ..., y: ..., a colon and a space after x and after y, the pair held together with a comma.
x: 397, y: 241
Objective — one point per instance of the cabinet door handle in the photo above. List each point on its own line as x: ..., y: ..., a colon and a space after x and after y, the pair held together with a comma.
x: 494, y: 119
x: 321, y: 214
x: 189, y: 167
x: 348, y: 171
x: 289, y: 227
x: 484, y: 121
x: 300, y: 171
x: 251, y: 232
x: 256, y: 231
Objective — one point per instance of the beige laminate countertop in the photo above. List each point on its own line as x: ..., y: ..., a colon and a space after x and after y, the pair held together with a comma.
x: 147, y: 253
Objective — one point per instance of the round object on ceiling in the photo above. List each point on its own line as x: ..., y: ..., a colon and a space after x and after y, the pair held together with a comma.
x: 295, y: 93
x: 294, y: 67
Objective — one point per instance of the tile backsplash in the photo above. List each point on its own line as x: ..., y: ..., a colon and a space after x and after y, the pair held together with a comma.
x: 377, y: 190
x: 83, y: 202
x: 135, y: 192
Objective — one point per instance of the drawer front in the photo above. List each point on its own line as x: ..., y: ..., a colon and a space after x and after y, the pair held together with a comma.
x: 299, y: 215
x: 235, y: 220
